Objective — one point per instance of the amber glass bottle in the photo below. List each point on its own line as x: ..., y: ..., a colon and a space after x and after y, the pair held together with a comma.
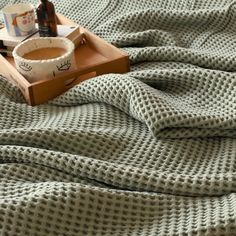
x: 46, y: 19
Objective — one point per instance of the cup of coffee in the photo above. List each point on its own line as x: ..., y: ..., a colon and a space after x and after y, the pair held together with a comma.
x: 43, y: 58
x: 19, y: 19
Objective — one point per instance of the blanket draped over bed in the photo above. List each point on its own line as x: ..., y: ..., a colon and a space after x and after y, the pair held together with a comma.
x: 150, y: 152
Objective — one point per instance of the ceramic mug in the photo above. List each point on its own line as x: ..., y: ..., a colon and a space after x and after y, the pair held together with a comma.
x: 35, y: 69
x: 19, y: 19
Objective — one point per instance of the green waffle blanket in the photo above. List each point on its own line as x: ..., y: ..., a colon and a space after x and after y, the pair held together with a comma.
x: 151, y: 152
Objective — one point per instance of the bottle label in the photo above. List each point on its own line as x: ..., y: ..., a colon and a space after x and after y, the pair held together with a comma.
x: 44, y: 31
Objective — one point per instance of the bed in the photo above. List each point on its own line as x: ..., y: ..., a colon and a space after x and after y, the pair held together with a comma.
x: 149, y: 152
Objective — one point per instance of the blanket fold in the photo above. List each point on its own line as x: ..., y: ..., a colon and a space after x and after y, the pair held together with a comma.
x: 149, y: 152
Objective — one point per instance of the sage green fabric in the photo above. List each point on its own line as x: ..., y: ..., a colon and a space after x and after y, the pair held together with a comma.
x: 151, y: 152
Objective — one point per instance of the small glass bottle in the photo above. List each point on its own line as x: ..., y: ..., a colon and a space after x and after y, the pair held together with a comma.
x: 46, y: 19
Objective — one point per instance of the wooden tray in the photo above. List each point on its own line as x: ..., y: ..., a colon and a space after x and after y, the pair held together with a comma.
x: 94, y: 57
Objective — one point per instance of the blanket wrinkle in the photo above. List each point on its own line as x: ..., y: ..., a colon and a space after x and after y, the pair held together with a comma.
x: 127, y: 94
x: 181, y: 112
x: 150, y: 152
x: 130, y: 179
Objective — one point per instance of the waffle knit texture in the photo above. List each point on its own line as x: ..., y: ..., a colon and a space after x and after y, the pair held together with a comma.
x: 150, y: 152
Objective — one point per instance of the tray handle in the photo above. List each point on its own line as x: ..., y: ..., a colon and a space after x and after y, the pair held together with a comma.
x: 71, y: 82
x: 44, y: 90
